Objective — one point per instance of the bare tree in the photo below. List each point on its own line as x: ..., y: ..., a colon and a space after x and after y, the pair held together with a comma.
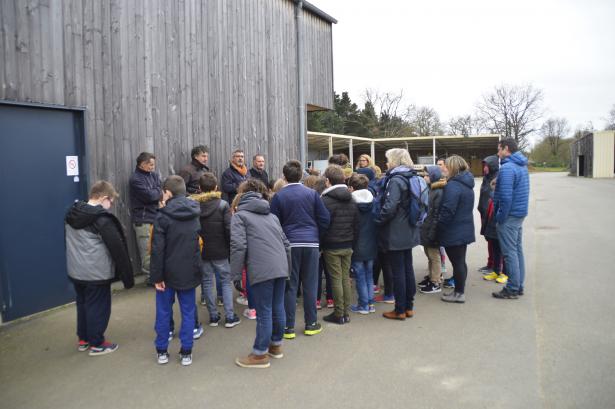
x: 425, y: 120
x: 610, y: 120
x: 391, y: 123
x: 553, y: 131
x: 465, y: 125
x: 512, y: 111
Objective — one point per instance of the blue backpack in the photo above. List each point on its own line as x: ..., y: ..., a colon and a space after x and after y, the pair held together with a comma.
x: 419, y: 200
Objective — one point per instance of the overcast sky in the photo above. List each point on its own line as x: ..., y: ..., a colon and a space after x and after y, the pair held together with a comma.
x: 447, y: 53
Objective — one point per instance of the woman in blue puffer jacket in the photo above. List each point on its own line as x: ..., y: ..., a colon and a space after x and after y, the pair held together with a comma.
x: 456, y: 222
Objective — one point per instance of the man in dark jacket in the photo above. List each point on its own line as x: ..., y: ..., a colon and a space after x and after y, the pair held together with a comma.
x: 302, y: 215
x: 216, y: 234
x: 339, y: 240
x: 192, y: 172
x: 233, y: 176
x: 145, y: 195
x: 491, y: 166
x: 510, y: 201
x: 258, y: 171
x: 176, y: 266
x: 96, y: 255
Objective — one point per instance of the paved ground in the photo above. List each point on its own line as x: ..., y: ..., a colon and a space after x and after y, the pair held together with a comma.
x: 554, y: 348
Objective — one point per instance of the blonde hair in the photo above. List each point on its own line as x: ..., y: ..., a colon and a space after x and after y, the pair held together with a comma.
x: 398, y: 157
x: 455, y: 164
x: 279, y: 184
x: 378, y: 171
x: 370, y: 161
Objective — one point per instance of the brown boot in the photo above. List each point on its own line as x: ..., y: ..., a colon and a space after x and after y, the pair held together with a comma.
x: 392, y: 315
x: 409, y: 313
x: 275, y: 351
x: 253, y: 361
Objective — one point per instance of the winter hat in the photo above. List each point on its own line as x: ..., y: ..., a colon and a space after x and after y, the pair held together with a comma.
x: 434, y: 173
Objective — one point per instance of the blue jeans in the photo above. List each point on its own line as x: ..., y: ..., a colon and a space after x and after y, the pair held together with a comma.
x: 222, y: 269
x: 510, y: 234
x: 365, y: 282
x: 270, y: 317
x: 304, y: 266
x: 164, y: 313
x: 404, y: 285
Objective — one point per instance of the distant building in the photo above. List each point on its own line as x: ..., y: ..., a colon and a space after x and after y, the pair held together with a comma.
x: 593, y: 155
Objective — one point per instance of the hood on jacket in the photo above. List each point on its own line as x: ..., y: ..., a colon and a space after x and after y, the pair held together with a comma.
x: 434, y: 173
x: 398, y: 169
x: 438, y: 185
x: 253, y: 202
x: 364, y: 200
x: 208, y: 201
x: 369, y: 172
x: 517, y: 158
x: 181, y: 208
x: 493, y: 163
x: 82, y: 214
x: 465, y: 178
x: 338, y: 192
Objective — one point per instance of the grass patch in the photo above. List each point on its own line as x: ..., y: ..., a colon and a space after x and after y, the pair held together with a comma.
x: 541, y: 169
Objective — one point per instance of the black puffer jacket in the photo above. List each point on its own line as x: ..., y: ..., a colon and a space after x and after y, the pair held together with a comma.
x: 215, y: 225
x: 493, y: 164
x: 176, y: 257
x: 344, y: 228
x: 191, y: 173
x: 429, y: 229
x: 394, y: 230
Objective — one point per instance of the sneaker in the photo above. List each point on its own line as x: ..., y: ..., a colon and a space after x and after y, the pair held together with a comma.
x: 220, y: 302
x: 242, y: 300
x: 359, y: 310
x: 430, y: 288
x: 506, y: 294
x: 289, y: 333
x: 371, y: 308
x: 249, y: 313
x: 455, y: 297
x: 318, y: 306
x: 83, y: 346
x: 185, y: 359
x: 387, y: 299
x: 213, y: 322
x: 233, y: 322
x: 425, y: 281
x: 484, y: 269
x: 346, y: 319
x: 392, y: 315
x: 275, y: 351
x: 171, y: 335
x: 520, y: 292
x: 254, y: 361
x: 449, y: 283
x: 330, y: 303
x: 313, y: 329
x: 197, y: 332
x: 163, y: 357
x: 502, y: 278
x: 203, y: 301
x: 491, y: 276
x: 376, y: 289
x: 103, y: 349
x: 334, y: 319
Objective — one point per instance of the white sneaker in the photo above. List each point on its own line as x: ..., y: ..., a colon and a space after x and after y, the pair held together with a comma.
x: 186, y: 359
x: 163, y: 358
x: 242, y: 300
x: 197, y: 332
x: 249, y: 313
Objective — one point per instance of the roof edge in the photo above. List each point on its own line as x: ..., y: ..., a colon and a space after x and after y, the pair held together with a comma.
x: 318, y: 12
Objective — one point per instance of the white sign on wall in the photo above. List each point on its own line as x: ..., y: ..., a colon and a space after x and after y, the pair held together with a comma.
x: 72, y: 166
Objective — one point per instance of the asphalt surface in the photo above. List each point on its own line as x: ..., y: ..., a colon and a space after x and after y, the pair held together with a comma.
x: 553, y: 348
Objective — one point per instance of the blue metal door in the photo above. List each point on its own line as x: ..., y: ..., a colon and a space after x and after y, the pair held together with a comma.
x: 36, y: 192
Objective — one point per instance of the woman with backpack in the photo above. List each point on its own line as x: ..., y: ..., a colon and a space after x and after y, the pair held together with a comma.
x: 456, y: 222
x: 396, y: 234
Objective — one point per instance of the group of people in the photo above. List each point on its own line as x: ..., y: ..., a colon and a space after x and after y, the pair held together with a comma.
x: 276, y: 240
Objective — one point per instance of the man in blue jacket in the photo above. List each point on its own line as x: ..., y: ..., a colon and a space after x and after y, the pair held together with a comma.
x: 303, y: 217
x: 145, y: 195
x: 510, y: 201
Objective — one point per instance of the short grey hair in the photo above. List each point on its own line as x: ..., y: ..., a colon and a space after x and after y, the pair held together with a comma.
x: 398, y: 156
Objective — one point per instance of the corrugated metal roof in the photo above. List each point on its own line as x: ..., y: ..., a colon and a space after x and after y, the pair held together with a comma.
x: 315, y: 10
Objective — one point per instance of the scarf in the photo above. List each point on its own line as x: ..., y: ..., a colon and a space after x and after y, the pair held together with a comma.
x: 242, y: 170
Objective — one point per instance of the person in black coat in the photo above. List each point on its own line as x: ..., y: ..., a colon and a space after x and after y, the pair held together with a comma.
x: 233, y: 176
x: 456, y: 222
x: 491, y: 167
x: 397, y: 236
x: 432, y: 283
x: 192, y: 172
x: 176, y: 266
x: 145, y: 195
x: 489, y: 230
x: 257, y: 171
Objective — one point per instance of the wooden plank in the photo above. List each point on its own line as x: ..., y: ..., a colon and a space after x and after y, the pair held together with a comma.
x: 172, y: 85
x: 45, y: 38
x: 92, y: 141
x: 10, y: 85
x: 108, y: 114
x: 139, y: 143
x: 148, y: 35
x: 23, y: 47
x: 77, y: 18
x: 57, y: 55
x: 161, y: 103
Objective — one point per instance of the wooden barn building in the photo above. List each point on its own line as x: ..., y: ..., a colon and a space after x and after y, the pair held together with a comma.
x: 86, y: 85
x: 593, y: 155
